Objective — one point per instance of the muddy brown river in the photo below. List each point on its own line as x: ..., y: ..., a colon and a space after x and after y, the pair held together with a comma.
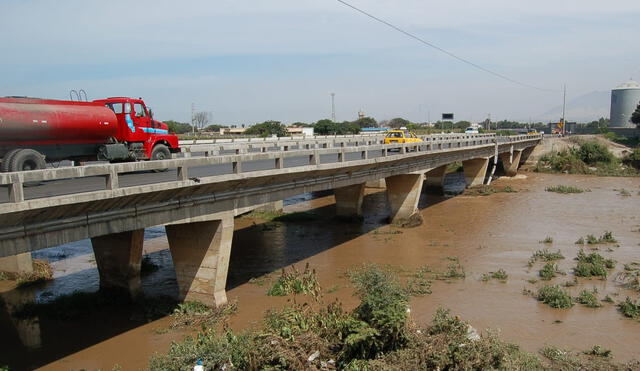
x: 486, y: 233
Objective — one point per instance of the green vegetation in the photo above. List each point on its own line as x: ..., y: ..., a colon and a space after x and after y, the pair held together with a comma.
x: 296, y: 282
x: 549, y: 271
x: 418, y: 284
x: 630, y: 308
x: 590, y: 157
x: 376, y: 335
x: 565, y: 189
x: 42, y: 272
x: 592, y: 265
x: 455, y: 270
x: 598, y: 351
x: 486, y: 190
x: 500, y: 275
x: 194, y: 313
x: 630, y: 277
x: 607, y: 237
x: 546, y: 255
x: 554, y: 296
x: 454, y: 167
x: 589, y: 299
x: 624, y: 193
x: 547, y: 240
x: 328, y: 127
x: 267, y: 128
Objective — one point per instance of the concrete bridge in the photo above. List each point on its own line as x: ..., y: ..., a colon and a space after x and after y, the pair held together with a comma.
x: 198, y: 197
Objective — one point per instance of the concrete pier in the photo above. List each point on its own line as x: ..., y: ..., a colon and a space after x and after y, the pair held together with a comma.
x: 200, y: 252
x: 17, y: 263
x: 403, y: 194
x: 511, y: 162
x: 475, y: 171
x: 434, y: 178
x: 118, y: 257
x: 349, y: 200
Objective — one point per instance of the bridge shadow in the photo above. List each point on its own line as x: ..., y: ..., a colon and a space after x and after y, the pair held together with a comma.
x: 79, y: 316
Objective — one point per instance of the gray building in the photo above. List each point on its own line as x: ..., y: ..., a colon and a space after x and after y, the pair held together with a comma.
x: 624, y: 100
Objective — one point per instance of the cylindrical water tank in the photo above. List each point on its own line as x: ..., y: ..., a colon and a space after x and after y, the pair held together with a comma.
x: 624, y: 101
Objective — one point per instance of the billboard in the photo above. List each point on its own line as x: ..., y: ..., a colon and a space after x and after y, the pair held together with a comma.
x: 447, y: 116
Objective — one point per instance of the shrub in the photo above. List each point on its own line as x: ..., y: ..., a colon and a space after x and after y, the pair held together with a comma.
x: 500, y: 275
x: 554, y: 296
x: 598, y: 351
x: 295, y: 282
x: 592, y: 264
x: 592, y: 152
x: 547, y: 256
x: 547, y: 240
x: 549, y: 271
x: 633, y: 158
x: 383, y: 305
x: 564, y: 189
x: 630, y: 308
x: 589, y: 299
x: 418, y: 284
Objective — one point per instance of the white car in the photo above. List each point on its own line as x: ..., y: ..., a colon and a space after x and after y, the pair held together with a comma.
x: 471, y: 131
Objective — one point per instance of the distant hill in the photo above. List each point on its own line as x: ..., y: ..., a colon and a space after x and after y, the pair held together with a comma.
x: 585, y: 108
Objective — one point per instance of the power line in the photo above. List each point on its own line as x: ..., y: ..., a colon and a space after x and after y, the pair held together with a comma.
x: 425, y: 42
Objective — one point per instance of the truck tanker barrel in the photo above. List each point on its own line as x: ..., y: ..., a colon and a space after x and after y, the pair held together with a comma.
x: 55, y: 122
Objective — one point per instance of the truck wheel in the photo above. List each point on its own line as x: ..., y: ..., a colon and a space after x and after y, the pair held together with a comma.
x: 5, y: 166
x: 160, y: 152
x: 25, y: 160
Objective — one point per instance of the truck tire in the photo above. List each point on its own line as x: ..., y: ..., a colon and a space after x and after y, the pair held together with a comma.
x: 25, y: 160
x: 5, y: 166
x: 160, y: 152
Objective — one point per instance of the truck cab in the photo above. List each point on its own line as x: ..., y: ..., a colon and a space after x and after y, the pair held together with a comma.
x: 147, y: 138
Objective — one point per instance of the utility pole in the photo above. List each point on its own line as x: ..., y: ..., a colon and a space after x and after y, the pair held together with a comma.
x: 333, y: 107
x: 564, y: 101
x: 193, y: 112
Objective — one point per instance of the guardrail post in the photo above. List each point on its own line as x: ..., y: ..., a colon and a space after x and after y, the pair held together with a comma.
x: 183, y: 173
x: 112, y: 179
x: 314, y: 159
x: 16, y: 189
x: 341, y: 156
x: 364, y: 155
x: 237, y: 167
x: 279, y: 163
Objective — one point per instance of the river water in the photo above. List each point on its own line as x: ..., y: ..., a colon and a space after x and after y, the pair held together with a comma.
x: 485, y: 233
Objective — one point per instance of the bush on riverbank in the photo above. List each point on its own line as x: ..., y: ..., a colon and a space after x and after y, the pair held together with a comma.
x: 590, y: 157
x: 42, y: 272
x: 377, y: 335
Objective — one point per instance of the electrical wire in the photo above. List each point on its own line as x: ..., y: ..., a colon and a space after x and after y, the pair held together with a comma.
x: 432, y: 45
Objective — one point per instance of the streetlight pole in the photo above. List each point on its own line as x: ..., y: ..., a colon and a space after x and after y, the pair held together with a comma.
x: 333, y: 107
x: 564, y: 101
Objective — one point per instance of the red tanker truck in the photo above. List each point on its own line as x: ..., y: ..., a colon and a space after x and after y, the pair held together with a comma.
x: 35, y: 131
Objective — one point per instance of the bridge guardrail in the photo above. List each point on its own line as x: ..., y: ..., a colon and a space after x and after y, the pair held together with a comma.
x: 15, y: 180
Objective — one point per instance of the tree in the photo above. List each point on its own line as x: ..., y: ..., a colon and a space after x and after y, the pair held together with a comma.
x: 214, y: 127
x: 268, y: 128
x: 366, y: 122
x: 398, y: 122
x: 201, y: 119
x: 635, y: 116
x: 178, y: 127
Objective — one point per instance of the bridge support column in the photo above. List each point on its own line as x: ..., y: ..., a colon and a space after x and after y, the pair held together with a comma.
x: 434, y: 178
x: 118, y: 257
x: 403, y: 194
x: 21, y: 263
x: 200, y: 252
x: 510, y: 162
x: 349, y: 200
x: 376, y: 184
x: 475, y: 170
x: 524, y: 157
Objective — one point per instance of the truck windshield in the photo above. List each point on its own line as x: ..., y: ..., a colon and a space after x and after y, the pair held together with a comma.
x: 115, y: 107
x: 394, y: 135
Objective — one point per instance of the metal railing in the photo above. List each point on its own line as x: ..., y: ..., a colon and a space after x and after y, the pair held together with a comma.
x: 16, y: 180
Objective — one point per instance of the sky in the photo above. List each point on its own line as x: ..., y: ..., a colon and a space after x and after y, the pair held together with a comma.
x: 248, y: 61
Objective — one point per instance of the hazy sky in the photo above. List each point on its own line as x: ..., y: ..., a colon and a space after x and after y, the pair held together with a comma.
x: 252, y: 60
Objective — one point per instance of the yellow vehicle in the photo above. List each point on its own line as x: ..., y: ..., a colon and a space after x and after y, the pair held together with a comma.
x: 400, y: 136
